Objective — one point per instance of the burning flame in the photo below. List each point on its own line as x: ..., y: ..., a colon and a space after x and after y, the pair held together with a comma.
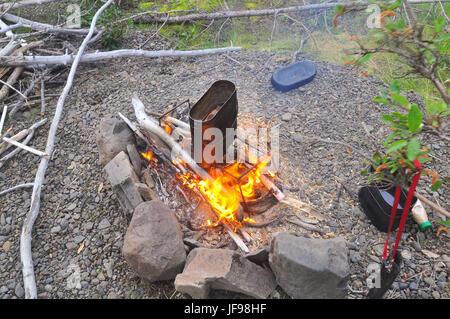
x: 223, y: 193
x: 225, y: 190
x: 148, y: 155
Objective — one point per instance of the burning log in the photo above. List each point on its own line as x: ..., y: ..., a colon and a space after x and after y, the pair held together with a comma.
x: 152, y: 127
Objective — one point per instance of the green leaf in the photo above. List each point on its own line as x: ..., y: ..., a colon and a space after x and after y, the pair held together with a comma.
x: 436, y: 186
x: 390, y: 137
x: 365, y: 58
x: 395, y: 86
x: 379, y: 99
x: 364, y: 172
x: 414, y: 118
x: 443, y: 37
x: 376, y: 158
x: 400, y: 99
x: 338, y: 8
x: 395, y: 5
x: 400, y: 116
x: 439, y: 24
x: 446, y: 223
x: 413, y: 149
x: 397, y: 145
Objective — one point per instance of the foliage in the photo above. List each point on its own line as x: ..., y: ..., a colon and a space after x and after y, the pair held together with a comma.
x: 422, y: 50
x: 114, y: 32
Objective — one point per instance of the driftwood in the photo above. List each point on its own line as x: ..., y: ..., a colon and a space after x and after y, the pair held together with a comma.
x: 30, y: 133
x: 25, y: 239
x: 27, y: 185
x: 163, y: 17
x: 15, y: 4
x: 109, y: 55
x: 44, y: 27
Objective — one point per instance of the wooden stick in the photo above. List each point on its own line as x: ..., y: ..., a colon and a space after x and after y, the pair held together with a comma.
x: 26, y: 148
x: 25, y: 238
x: 16, y: 187
x: 43, y: 26
x: 31, y: 131
x: 2, y: 121
x: 178, y: 153
x: 251, y: 13
x: 5, y: 145
x: 42, y: 97
x: 432, y: 205
x: 14, y: 4
x: 109, y: 55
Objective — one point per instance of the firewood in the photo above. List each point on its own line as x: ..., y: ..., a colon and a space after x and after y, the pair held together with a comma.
x: 25, y: 238
x: 36, y: 60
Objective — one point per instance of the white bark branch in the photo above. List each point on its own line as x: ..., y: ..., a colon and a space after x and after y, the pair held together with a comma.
x: 16, y: 187
x: 157, y: 16
x: 25, y: 239
x: 26, y: 148
x: 99, y: 56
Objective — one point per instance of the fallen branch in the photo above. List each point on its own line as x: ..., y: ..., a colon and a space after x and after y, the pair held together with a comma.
x: 25, y: 239
x: 109, y: 55
x: 305, y: 226
x: 26, y: 148
x: 16, y: 187
x: 11, y: 5
x: 43, y: 26
x: 31, y: 132
x: 149, y: 18
x: 432, y: 205
x: 2, y: 120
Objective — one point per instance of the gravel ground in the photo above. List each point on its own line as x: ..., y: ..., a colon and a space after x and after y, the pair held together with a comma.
x: 80, y: 230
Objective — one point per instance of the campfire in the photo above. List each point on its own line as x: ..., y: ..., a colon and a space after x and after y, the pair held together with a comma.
x: 235, y: 190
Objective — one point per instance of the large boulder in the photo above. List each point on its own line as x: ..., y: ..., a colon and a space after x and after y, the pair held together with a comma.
x: 153, y: 245
x: 310, y: 268
x: 125, y: 182
x: 223, y: 269
x: 113, y: 136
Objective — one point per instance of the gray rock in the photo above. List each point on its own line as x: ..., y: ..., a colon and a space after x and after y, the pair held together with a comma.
x: 413, y: 286
x: 436, y: 294
x: 55, y: 229
x: 112, y: 138
x: 104, y: 223
x: 135, y: 158
x: 286, y: 117
x: 153, y: 244
x: 259, y: 256
x: 223, y: 269
x: 123, y: 180
x: 88, y: 225
x: 19, y: 291
x: 310, y: 268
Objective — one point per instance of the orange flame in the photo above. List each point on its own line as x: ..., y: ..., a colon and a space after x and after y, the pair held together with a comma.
x: 148, y: 155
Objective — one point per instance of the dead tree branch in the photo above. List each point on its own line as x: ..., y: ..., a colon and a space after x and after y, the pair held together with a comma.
x: 99, y: 56
x: 25, y: 239
x: 150, y: 17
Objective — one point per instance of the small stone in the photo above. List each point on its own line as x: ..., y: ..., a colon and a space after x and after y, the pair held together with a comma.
x: 19, y: 291
x: 413, y: 286
x: 84, y: 284
x: 49, y: 280
x: 403, y: 285
x: 436, y: 294
x: 7, y: 246
x: 55, y: 229
x: 72, y: 206
x: 78, y: 239
x: 416, y: 246
x: 64, y: 224
x: 88, y: 225
x: 406, y: 254
x: 48, y: 288
x: 95, y: 281
x: 104, y: 223
x: 286, y: 117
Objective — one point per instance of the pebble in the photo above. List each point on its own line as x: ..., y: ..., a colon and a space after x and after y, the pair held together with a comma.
x: 403, y: 285
x: 89, y: 225
x: 414, y: 286
x: 84, y: 284
x: 64, y: 224
x: 436, y: 294
x: 49, y: 280
x: 286, y: 117
x: 72, y: 206
x: 48, y: 288
x: 104, y: 223
x: 55, y: 229
x: 406, y: 254
x: 78, y: 239
x: 19, y: 291
x: 6, y: 246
